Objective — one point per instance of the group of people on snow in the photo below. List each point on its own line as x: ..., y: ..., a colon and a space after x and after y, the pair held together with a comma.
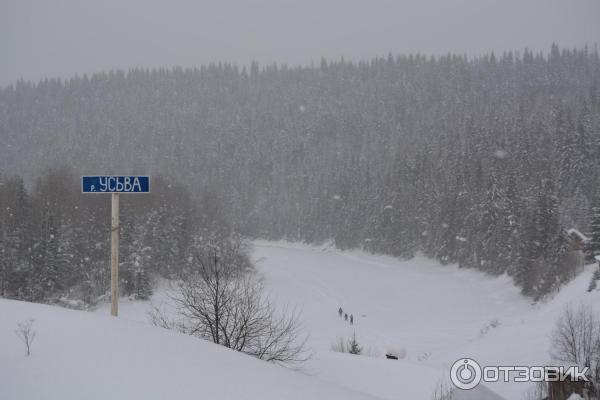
x: 341, y: 312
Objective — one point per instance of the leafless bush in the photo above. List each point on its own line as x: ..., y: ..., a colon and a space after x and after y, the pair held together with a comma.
x: 159, y: 316
x: 220, y: 302
x: 538, y: 391
x: 25, y: 332
x: 339, y: 346
x: 443, y: 391
x: 576, y: 340
x: 350, y: 346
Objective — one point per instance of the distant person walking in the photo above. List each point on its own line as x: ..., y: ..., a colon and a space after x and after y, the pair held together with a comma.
x: 346, y: 316
x: 351, y: 319
x: 340, y: 311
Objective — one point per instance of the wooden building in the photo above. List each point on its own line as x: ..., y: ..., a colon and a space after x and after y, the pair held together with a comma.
x: 577, y: 239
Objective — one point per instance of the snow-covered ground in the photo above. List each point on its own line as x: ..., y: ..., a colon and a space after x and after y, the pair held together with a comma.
x: 435, y: 314
x: 79, y: 355
x: 430, y: 313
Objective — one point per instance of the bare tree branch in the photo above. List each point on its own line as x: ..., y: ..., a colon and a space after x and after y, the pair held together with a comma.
x: 219, y: 300
x: 25, y: 332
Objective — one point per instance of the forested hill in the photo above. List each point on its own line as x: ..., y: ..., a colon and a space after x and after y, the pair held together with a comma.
x: 479, y: 161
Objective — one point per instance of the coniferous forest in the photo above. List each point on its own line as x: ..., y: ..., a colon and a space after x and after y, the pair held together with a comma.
x: 485, y: 162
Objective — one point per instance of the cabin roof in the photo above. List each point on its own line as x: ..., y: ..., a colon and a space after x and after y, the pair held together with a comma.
x: 580, y: 235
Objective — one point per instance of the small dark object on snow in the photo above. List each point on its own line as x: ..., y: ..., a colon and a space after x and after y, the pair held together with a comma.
x: 390, y: 356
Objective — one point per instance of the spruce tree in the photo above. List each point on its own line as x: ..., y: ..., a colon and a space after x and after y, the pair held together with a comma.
x: 594, y: 245
x: 353, y: 346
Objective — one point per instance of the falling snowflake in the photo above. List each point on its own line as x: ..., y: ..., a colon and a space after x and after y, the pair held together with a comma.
x: 500, y: 154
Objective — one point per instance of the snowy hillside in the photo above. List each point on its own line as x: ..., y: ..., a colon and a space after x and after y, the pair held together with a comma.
x: 386, y: 200
x: 402, y: 306
x: 434, y: 314
x: 78, y: 355
x: 429, y: 314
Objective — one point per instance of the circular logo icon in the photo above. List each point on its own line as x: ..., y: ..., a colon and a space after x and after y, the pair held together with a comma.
x: 465, y: 373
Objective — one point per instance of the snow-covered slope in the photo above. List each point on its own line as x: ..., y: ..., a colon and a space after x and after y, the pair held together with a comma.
x: 434, y: 314
x: 78, y: 355
x: 430, y: 313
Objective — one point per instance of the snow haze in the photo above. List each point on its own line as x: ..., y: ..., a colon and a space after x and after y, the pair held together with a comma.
x: 66, y: 37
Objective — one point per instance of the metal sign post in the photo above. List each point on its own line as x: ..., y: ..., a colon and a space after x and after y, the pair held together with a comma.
x: 115, y: 185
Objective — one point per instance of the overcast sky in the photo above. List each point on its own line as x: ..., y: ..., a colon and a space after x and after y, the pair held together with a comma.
x: 48, y: 38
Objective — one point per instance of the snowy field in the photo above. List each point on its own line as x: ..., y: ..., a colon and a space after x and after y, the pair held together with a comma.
x: 434, y: 314
x: 428, y: 313
x: 78, y: 355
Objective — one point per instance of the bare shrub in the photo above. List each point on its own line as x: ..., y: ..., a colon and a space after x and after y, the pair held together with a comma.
x: 443, y: 391
x: 350, y: 346
x: 25, y: 332
x: 339, y: 346
x: 159, y: 316
x: 221, y: 302
x: 576, y: 340
x: 538, y: 391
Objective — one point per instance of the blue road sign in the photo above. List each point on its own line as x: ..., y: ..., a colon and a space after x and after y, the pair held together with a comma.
x: 115, y: 184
